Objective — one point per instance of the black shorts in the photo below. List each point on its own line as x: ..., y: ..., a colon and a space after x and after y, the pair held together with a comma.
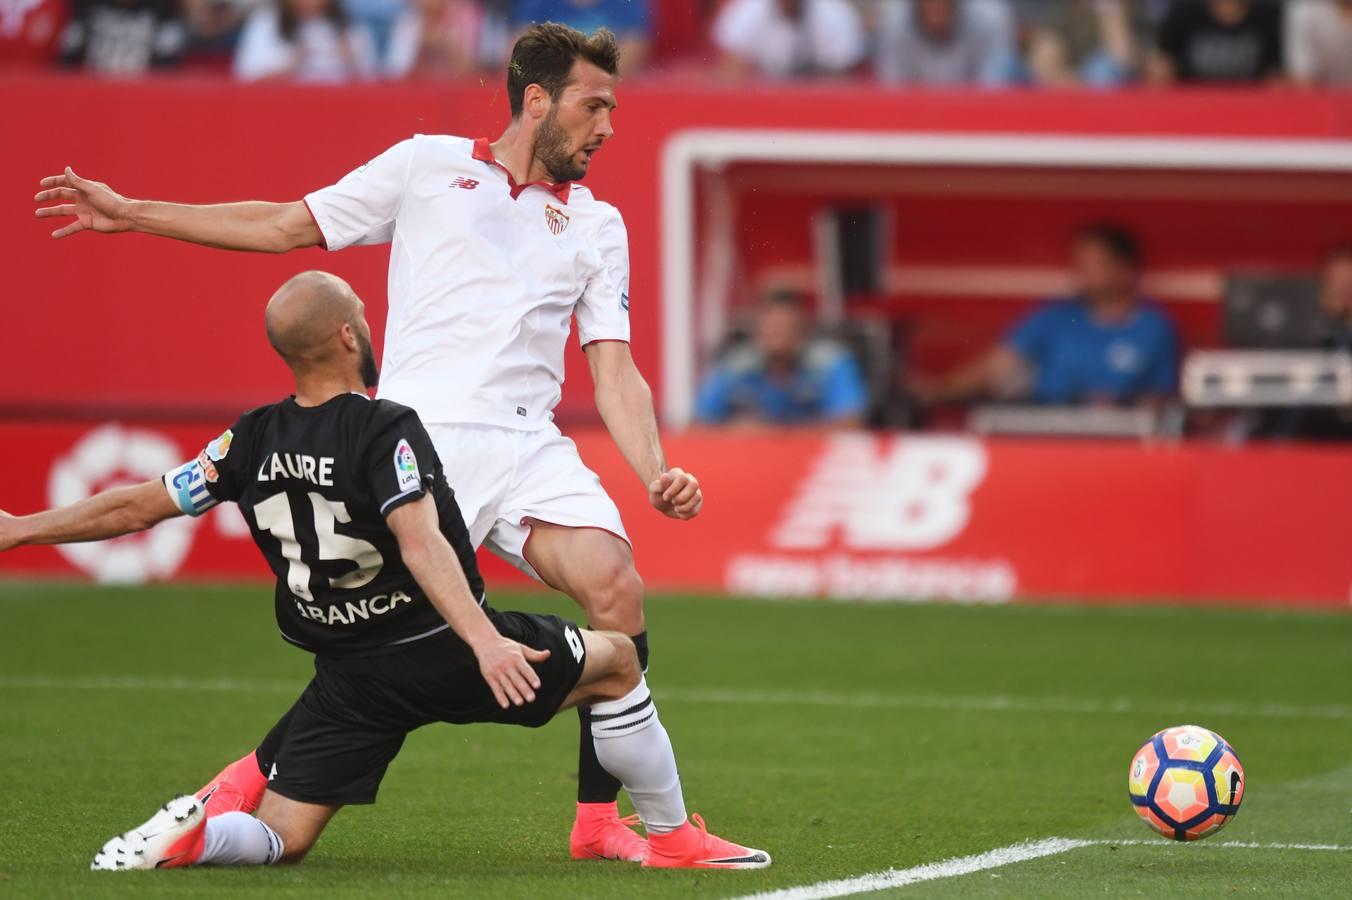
x: 334, y: 744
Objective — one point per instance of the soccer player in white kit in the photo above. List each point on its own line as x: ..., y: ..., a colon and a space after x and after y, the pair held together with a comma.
x: 494, y: 248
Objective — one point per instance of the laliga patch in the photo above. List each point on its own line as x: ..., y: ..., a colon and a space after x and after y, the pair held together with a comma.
x: 556, y: 219
x: 218, y: 448
x: 208, y: 467
x: 406, y: 466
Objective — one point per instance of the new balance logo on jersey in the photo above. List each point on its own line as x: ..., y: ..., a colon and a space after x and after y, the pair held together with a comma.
x: 468, y: 184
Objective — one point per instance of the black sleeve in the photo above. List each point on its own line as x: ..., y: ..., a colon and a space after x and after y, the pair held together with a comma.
x: 75, y: 36
x: 399, y: 462
x: 1274, y: 45
x: 1173, y: 35
x: 214, y: 476
x: 171, y: 35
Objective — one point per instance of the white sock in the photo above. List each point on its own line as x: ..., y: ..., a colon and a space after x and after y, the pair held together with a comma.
x: 632, y: 745
x: 238, y: 839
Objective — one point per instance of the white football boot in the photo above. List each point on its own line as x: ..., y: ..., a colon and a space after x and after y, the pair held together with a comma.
x: 171, y: 838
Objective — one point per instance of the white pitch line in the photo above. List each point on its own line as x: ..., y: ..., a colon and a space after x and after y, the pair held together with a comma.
x: 1221, y: 845
x: 717, y: 696
x: 994, y: 859
x: 949, y: 868
x: 149, y: 683
x: 1002, y: 703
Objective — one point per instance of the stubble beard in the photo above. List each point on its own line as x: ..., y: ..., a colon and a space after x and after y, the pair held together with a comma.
x: 554, y: 151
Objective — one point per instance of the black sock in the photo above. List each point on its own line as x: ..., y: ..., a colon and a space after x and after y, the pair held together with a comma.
x: 641, y: 645
x: 594, y: 783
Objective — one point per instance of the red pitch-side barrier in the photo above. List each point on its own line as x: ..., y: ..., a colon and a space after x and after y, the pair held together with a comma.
x: 874, y: 517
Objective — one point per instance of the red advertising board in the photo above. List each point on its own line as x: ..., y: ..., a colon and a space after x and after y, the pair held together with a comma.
x: 877, y: 517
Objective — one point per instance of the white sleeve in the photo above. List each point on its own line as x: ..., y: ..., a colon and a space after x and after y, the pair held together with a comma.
x: 361, y: 208
x: 1301, y: 21
x: 365, y: 61
x: 735, y: 30
x: 892, y: 43
x: 838, y: 36
x: 603, y: 311
x: 261, y: 52
x: 401, y: 50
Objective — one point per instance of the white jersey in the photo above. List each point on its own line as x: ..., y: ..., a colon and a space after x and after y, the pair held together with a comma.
x: 485, y: 276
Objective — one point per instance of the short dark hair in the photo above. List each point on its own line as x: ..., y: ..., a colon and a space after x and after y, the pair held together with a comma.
x: 1120, y: 243
x: 785, y: 298
x: 1338, y: 253
x: 545, y: 54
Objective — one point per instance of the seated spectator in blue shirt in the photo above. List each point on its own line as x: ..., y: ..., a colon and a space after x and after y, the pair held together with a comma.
x: 1103, y: 345
x: 782, y: 378
x: 629, y: 19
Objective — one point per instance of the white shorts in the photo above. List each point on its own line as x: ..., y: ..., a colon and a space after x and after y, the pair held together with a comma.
x: 504, y: 478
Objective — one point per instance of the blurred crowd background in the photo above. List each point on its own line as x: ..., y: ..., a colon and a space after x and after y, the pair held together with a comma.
x: 1102, y: 355
x: 990, y: 43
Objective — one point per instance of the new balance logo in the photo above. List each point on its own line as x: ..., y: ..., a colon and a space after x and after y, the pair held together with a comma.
x: 904, y: 494
x: 468, y: 184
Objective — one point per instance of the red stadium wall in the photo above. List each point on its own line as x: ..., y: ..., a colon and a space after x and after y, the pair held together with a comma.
x: 857, y: 516
x: 157, y: 332
x: 136, y: 323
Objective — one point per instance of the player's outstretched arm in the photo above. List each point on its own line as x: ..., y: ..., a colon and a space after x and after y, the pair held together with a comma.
x: 505, y: 664
x: 251, y: 225
x: 626, y: 405
x: 106, y: 515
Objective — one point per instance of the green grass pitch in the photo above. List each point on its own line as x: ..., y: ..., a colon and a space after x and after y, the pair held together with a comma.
x: 845, y: 739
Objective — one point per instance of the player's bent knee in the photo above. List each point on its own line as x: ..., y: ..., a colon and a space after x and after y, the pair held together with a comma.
x: 617, y: 599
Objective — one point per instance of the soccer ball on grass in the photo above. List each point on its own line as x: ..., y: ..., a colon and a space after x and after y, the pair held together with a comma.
x: 1186, y: 782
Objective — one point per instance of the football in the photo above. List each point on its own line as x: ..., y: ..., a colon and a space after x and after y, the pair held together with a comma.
x: 1186, y: 782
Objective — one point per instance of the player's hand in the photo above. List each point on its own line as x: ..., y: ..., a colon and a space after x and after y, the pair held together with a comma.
x: 505, y: 665
x: 95, y: 206
x: 676, y: 493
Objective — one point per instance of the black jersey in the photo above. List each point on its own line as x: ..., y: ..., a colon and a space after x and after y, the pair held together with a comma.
x: 315, y: 485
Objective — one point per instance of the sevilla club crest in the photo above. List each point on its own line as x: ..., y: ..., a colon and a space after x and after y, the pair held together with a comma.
x: 555, y: 218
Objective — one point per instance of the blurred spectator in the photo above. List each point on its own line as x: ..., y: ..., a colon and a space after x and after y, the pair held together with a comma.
x: 789, y: 38
x: 29, y: 32
x: 214, y: 26
x: 378, y: 18
x: 1219, y: 41
x: 304, y: 40
x: 435, y: 38
x: 123, y: 37
x: 946, y: 42
x: 1104, y: 345
x: 1336, y: 297
x: 1089, y: 42
x: 781, y: 377
x: 1319, y: 41
x: 1320, y: 422
x: 629, y: 19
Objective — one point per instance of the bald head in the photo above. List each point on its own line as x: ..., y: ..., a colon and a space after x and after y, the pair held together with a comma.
x: 317, y: 322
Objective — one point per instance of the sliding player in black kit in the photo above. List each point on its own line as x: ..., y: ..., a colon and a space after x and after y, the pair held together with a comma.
x: 376, y: 576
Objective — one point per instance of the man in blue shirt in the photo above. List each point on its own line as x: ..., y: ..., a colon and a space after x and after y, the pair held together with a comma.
x: 1103, y: 345
x: 782, y: 378
x: 629, y: 19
